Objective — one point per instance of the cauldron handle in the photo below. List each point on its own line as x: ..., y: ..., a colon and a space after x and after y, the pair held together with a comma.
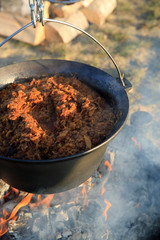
x: 121, y: 76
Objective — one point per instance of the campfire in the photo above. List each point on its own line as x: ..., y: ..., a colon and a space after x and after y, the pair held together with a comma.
x: 19, y: 209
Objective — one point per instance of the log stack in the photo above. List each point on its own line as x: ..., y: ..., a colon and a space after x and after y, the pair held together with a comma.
x: 80, y: 14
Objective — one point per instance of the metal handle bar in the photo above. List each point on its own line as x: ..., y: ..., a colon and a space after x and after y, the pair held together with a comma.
x: 77, y: 28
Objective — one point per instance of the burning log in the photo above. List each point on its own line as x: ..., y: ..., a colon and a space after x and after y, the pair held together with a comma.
x: 5, y: 219
x: 4, y: 189
x: 99, y: 10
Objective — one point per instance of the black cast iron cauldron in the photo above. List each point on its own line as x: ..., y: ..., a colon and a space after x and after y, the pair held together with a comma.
x: 58, y: 175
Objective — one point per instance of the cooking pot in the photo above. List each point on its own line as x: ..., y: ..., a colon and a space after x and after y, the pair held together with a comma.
x: 58, y: 175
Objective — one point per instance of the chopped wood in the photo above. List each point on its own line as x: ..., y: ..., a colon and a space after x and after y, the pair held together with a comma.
x: 65, y: 11
x: 86, y: 3
x: 46, y: 9
x: 78, y: 14
x: 10, y: 23
x: 99, y: 10
x: 60, y: 33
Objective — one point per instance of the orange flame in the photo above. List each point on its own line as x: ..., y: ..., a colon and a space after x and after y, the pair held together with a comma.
x: 16, y: 191
x: 106, y: 209
x: 136, y: 143
x: 108, y: 165
x: 138, y: 204
x: 10, y: 192
x: 46, y: 201
x: 4, y: 220
x: 84, y: 194
x: 100, y: 176
x: 103, y: 189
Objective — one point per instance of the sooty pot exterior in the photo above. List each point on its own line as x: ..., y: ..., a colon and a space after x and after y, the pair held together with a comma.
x: 51, y: 176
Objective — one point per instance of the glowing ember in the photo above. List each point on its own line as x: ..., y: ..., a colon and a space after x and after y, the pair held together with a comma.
x: 136, y: 143
x: 108, y: 165
x: 106, y: 209
x: 4, y: 220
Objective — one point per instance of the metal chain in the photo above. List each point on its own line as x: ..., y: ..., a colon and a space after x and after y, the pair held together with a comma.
x: 36, y: 7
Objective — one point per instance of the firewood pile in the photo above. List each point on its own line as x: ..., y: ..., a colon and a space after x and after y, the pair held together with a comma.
x: 81, y: 14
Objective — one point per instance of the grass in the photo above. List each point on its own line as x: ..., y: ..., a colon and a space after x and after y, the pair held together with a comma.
x: 124, y: 6
x: 150, y: 13
x: 57, y: 50
x: 118, y: 36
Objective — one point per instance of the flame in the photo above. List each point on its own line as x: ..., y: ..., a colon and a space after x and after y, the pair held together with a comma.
x: 100, y: 176
x: 106, y: 209
x: 24, y: 202
x: 84, y: 194
x: 136, y: 143
x: 46, y: 201
x: 10, y: 192
x: 103, y: 189
x: 4, y: 220
x: 16, y: 191
x: 138, y: 204
x: 108, y: 165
